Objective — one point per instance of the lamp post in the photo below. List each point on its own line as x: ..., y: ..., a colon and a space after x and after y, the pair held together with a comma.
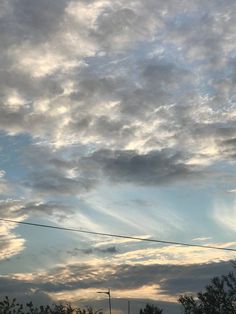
x: 109, y: 297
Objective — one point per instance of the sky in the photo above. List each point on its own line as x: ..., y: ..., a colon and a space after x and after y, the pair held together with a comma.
x: 119, y: 117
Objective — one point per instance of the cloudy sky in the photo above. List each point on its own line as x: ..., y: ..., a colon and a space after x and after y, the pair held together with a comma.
x: 116, y: 116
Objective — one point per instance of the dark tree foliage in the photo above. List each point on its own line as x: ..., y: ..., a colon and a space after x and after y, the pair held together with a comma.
x: 219, y: 297
x: 151, y: 309
x: 8, y: 306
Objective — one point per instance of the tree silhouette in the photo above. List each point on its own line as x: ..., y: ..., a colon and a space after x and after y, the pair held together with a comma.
x: 12, y: 307
x: 219, y: 297
x: 8, y: 306
x: 151, y: 309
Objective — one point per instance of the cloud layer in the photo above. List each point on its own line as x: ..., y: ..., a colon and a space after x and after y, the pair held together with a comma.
x: 118, y: 116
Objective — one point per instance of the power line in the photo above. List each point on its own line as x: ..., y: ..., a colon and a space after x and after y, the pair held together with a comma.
x: 112, y: 235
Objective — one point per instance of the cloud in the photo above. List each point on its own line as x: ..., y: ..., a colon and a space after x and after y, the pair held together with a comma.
x: 145, y: 102
x: 203, y: 239
x: 53, y: 209
x: 95, y: 250
x: 160, y: 281
x: 54, y: 182
x: 12, y: 244
x: 156, y: 167
x: 24, y: 292
x: 229, y: 148
x: 121, y: 27
x: 156, y: 81
x: 80, y: 174
x: 5, y: 186
x: 20, y: 209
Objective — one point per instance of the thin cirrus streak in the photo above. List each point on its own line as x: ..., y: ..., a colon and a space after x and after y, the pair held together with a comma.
x: 117, y: 235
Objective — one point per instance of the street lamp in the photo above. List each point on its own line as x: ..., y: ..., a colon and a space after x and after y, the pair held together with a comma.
x: 109, y: 297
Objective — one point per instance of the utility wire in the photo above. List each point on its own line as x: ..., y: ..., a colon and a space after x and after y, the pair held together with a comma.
x: 111, y: 235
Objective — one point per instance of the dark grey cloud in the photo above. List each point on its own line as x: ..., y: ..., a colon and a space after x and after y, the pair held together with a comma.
x: 53, y: 182
x: 10, y: 208
x: 38, y: 20
x: 23, y: 292
x: 157, y: 82
x: 18, y: 120
x: 228, y: 148
x: 51, y: 208
x: 75, y: 172
x: 92, y: 87
x: 32, y: 21
x: 89, y: 251
x: 158, y: 86
x: 219, y: 131
x: 155, y: 167
x: 119, y: 27
x: 53, y: 175
x: 20, y: 208
x: 173, y: 279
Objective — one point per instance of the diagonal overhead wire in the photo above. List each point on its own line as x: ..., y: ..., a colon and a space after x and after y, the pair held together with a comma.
x: 112, y: 235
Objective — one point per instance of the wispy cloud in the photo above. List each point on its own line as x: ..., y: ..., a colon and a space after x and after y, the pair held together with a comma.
x: 224, y: 214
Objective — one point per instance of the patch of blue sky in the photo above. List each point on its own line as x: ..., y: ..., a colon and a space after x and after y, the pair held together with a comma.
x: 223, y: 179
x: 175, y: 212
x: 43, y: 248
x: 12, y: 149
x: 140, y: 52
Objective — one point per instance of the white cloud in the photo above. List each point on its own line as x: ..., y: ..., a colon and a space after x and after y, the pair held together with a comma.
x: 11, y: 243
x: 106, y: 107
